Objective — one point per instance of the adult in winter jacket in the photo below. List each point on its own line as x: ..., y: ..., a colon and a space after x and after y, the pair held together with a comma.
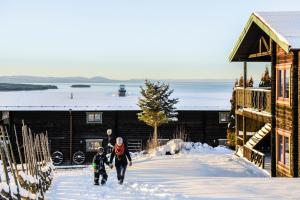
x: 99, y: 162
x: 121, y: 155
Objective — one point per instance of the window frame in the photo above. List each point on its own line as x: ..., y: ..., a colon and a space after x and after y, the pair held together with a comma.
x: 228, y: 118
x: 284, y: 134
x: 87, y: 141
x: 283, y: 100
x: 94, y: 121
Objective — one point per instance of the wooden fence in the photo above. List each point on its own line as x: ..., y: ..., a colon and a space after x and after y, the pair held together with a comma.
x: 31, y: 177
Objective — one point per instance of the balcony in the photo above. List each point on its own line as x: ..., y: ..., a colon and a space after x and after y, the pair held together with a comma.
x: 256, y: 102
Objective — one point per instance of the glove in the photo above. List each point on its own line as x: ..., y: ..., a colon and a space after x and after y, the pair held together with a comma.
x: 130, y: 163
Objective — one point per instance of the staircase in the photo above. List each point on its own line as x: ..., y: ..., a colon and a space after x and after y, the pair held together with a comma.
x: 258, y: 136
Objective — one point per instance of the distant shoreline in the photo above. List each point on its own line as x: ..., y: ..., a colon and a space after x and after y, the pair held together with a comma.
x: 80, y: 86
x: 24, y: 87
x: 96, y: 79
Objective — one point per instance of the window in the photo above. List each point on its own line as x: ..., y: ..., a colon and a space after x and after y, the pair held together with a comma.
x: 223, y: 117
x: 283, y: 82
x: 283, y: 148
x: 92, y: 145
x: 94, y: 117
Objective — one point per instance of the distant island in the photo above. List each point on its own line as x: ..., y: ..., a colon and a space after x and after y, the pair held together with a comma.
x: 80, y: 86
x: 24, y: 87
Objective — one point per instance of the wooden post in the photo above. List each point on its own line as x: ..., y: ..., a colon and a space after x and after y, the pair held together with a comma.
x: 244, y: 102
x: 273, y: 110
x: 71, y: 135
x: 9, y: 158
x: 295, y: 113
x: 18, y: 147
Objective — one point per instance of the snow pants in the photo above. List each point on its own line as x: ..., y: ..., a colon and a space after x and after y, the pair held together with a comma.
x: 101, y: 173
x: 121, y: 169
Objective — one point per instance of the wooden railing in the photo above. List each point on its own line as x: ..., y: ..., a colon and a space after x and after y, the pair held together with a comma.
x: 254, y: 156
x: 257, y: 98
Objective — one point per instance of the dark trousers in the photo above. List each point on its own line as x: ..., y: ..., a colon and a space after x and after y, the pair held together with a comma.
x: 101, y: 173
x: 121, y: 169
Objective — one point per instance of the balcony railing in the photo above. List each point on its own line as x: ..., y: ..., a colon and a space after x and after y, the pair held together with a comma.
x: 256, y: 98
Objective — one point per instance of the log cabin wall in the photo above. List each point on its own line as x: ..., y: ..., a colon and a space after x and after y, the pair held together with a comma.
x: 298, y: 114
x: 200, y: 126
x: 284, y: 119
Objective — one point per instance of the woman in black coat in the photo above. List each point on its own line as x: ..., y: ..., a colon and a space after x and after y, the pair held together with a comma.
x: 121, y: 154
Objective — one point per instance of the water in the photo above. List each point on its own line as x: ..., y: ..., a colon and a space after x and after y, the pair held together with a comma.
x: 180, y: 88
x: 209, y: 95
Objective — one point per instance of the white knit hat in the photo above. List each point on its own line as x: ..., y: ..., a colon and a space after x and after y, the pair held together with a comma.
x: 119, y: 141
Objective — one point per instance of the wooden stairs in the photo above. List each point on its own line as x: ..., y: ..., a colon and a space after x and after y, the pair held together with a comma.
x: 258, y: 136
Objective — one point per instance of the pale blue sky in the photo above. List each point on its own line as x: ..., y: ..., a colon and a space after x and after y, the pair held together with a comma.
x: 123, y: 39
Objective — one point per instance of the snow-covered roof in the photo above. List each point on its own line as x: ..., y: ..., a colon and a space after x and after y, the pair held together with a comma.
x: 283, y: 27
x: 96, y: 101
x: 284, y: 24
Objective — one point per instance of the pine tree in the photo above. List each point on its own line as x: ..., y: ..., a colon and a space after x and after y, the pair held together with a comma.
x: 231, y: 124
x: 265, y: 79
x: 250, y: 82
x: 241, y: 81
x: 157, y: 106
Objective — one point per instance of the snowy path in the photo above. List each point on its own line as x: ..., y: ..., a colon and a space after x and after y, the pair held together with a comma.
x: 205, y: 175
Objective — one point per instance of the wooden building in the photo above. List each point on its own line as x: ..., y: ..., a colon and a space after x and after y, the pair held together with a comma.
x: 267, y: 119
x: 76, y: 130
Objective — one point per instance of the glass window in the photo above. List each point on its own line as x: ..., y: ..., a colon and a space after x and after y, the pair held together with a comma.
x: 280, y: 149
x: 286, y: 151
x: 283, y: 83
x: 94, y: 117
x: 223, y: 117
x: 92, y: 145
x: 287, y: 84
x: 280, y: 84
x: 283, y: 142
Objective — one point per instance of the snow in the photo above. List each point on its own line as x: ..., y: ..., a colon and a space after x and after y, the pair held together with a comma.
x: 284, y: 24
x: 197, y: 172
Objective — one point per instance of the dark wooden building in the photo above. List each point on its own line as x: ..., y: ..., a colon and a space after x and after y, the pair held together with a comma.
x: 270, y: 116
x: 77, y: 133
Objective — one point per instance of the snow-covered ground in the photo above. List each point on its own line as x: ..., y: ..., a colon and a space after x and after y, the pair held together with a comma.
x: 200, y: 173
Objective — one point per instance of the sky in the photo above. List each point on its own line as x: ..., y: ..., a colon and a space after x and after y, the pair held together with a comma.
x: 127, y: 39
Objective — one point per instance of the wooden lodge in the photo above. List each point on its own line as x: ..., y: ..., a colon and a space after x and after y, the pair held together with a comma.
x: 267, y: 118
x: 75, y: 131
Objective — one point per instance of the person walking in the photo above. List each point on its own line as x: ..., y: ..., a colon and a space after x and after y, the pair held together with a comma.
x: 98, y: 164
x: 121, y: 154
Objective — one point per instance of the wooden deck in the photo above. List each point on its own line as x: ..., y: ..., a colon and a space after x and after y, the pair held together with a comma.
x: 257, y: 99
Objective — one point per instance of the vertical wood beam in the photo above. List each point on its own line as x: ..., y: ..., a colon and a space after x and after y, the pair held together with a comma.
x: 244, y: 103
x: 273, y: 110
x: 71, y: 135
x: 295, y: 113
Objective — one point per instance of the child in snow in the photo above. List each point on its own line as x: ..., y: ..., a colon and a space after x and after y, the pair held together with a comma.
x: 121, y: 154
x: 99, y: 162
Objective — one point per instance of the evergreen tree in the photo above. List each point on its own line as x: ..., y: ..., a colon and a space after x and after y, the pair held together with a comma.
x: 265, y: 79
x: 241, y: 81
x: 250, y: 82
x: 231, y: 124
x: 157, y: 106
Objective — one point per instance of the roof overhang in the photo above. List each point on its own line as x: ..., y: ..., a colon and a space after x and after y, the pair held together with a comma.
x: 257, y: 20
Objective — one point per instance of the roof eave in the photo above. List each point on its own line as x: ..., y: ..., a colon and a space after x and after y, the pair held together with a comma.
x: 259, y: 21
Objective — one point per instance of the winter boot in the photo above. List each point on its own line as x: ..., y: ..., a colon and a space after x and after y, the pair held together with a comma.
x: 121, y: 181
x: 96, y: 183
x: 103, y: 182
